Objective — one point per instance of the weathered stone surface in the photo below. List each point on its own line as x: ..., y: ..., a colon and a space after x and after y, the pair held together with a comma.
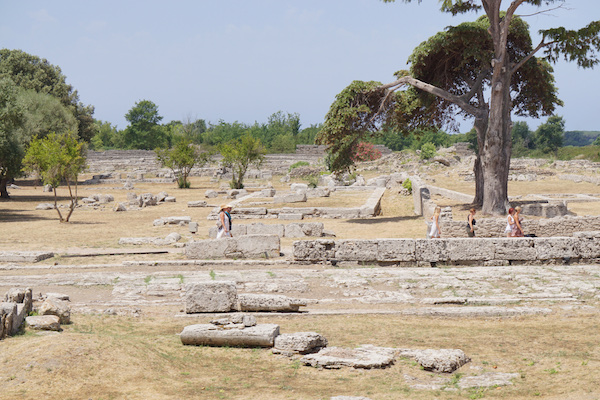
x: 588, y: 244
x: 550, y: 248
x: 314, y: 250
x: 170, y: 239
x: 268, y: 302
x: 396, y: 250
x: 197, y: 203
x: 210, y: 296
x: 440, y: 360
x: 318, y: 192
x: 265, y: 229
x: 120, y: 207
x: 291, y: 217
x: 148, y: 199
x: 290, y: 198
x: 211, y: 194
x: 25, y: 256
x: 304, y: 229
x: 172, y: 221
x: 44, y: 322
x: 356, y: 250
x: 299, y: 187
x: 54, y: 306
x: 520, y: 249
x: 45, y: 206
x: 236, y: 321
x: 252, y: 246
x: 161, y: 196
x: 487, y: 379
x: 431, y: 250
x: 299, y: 343
x: 465, y: 249
x: 261, y: 335
x: 362, y: 357
x: 8, y: 314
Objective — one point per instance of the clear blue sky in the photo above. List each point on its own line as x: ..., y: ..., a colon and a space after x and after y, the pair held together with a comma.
x: 243, y: 60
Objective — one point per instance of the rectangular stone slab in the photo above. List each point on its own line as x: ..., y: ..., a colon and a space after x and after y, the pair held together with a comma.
x: 262, y: 335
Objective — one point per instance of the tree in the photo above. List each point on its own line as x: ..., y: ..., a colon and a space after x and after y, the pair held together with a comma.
x: 239, y: 155
x: 484, y: 70
x: 522, y: 139
x: 144, y: 130
x: 31, y: 72
x: 56, y: 158
x: 105, y: 137
x: 548, y: 137
x: 11, y: 147
x: 181, y: 159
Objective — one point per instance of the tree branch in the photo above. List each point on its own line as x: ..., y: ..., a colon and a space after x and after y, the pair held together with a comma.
x: 476, y: 86
x: 434, y: 90
x: 540, y: 46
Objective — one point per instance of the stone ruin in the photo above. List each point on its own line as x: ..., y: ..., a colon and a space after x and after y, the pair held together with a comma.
x: 19, y: 303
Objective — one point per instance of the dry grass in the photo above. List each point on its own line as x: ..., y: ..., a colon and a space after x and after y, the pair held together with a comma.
x: 103, y: 357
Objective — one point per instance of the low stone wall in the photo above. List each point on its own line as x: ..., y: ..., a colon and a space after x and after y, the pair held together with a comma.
x: 308, y: 229
x: 494, y: 227
x: 583, y: 246
x: 249, y: 246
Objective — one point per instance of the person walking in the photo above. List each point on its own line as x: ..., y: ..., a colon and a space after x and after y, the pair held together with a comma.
x: 435, y: 232
x: 471, y: 223
x: 518, y: 220
x: 224, y: 221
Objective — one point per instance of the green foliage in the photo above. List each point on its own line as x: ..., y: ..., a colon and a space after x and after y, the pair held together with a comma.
x: 352, y: 116
x: 407, y: 184
x: 106, y: 136
x: 522, y: 139
x: 30, y: 72
x: 181, y: 159
x: 580, y: 138
x: 299, y: 164
x: 56, y: 158
x: 312, y: 180
x: 427, y: 151
x: 239, y: 155
x: 11, y: 145
x: 549, y: 136
x: 144, y: 131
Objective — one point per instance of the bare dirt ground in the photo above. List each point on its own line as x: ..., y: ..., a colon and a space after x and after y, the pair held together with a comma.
x: 539, y: 322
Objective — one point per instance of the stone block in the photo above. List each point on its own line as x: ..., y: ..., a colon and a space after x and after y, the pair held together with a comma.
x: 253, y: 246
x: 548, y: 248
x: 290, y: 198
x: 518, y: 249
x: 470, y: 249
x: 395, y: 250
x: 211, y: 194
x: 366, y: 357
x: 303, y: 230
x: 44, y: 322
x: 268, y: 302
x: 261, y: 335
x: 442, y: 360
x: 54, y: 306
x: 269, y: 192
x: 210, y: 296
x: 25, y: 256
x: 318, y: 192
x: 299, y: 343
x: 588, y: 244
x: 334, y: 212
x: 314, y: 250
x: 290, y: 217
x: 210, y: 249
x: 299, y: 187
x: 431, y: 250
x: 356, y: 250
x: 45, y: 206
x: 197, y: 203
x: 265, y: 229
x: 161, y: 196
x: 236, y: 230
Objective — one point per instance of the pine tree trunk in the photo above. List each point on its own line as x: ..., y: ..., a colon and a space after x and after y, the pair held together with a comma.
x: 481, y: 129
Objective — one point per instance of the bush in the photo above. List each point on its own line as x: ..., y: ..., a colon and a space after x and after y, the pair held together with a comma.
x: 427, y: 151
x: 407, y: 184
x: 313, y: 180
x: 365, y: 152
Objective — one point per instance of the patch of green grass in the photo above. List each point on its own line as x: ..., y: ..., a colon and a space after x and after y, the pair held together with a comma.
x: 148, y: 279
x: 212, y: 274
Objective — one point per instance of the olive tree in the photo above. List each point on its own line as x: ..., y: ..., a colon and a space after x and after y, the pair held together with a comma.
x: 181, y: 159
x: 239, y: 155
x: 57, y: 158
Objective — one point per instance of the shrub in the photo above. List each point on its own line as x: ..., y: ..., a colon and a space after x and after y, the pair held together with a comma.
x: 407, y: 184
x: 427, y: 151
x: 365, y: 152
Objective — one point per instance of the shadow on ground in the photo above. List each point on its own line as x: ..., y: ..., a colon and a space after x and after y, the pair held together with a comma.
x: 383, y: 220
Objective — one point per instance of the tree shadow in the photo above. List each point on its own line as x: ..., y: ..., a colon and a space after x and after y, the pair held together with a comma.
x: 384, y: 220
x: 41, y: 198
x: 23, y: 216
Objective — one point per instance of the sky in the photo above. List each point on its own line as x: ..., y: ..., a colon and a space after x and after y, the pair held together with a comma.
x: 243, y: 60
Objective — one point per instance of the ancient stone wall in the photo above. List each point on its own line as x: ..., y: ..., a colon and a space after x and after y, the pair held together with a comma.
x: 583, y: 246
